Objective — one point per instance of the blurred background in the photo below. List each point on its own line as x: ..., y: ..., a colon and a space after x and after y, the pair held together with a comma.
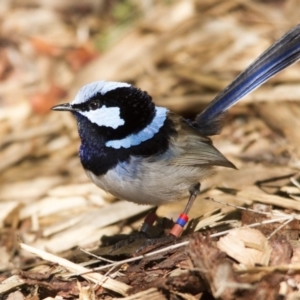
x: 182, y: 52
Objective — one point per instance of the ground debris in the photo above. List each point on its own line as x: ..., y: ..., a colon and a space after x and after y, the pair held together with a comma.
x: 242, y: 243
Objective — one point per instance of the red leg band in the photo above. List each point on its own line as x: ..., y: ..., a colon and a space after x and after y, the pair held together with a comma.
x: 150, y: 218
x: 180, y: 223
x: 149, y: 221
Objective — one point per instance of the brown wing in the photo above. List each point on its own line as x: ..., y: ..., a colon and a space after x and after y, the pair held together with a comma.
x: 192, y: 149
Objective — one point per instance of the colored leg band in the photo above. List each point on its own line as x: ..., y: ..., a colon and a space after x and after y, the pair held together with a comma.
x: 182, y: 220
x: 149, y: 221
x: 150, y: 218
x: 178, y: 227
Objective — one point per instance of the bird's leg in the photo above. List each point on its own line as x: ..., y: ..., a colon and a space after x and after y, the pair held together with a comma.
x: 149, y: 220
x: 183, y: 218
x: 142, y: 234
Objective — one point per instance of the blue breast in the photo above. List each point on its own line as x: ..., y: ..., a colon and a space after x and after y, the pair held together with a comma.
x: 98, y: 158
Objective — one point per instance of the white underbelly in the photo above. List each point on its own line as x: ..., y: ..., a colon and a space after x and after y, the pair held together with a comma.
x: 145, y: 182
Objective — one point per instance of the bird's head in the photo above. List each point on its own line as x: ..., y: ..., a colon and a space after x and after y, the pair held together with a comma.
x: 115, y: 111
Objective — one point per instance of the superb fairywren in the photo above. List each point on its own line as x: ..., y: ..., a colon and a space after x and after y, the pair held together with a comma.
x: 149, y: 155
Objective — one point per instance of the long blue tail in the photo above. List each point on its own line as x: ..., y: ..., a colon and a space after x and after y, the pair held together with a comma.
x: 280, y: 55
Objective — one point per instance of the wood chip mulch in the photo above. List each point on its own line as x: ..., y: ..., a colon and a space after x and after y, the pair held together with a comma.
x: 58, y: 230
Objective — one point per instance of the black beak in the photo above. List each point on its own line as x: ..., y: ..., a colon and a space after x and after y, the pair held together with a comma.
x: 63, y: 107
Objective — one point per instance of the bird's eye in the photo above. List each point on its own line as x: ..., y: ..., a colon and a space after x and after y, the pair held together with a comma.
x: 94, y: 105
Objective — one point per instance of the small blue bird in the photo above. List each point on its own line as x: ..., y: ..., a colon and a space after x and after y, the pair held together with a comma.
x: 149, y: 155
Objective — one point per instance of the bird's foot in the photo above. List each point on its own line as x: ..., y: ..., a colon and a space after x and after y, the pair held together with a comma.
x: 143, y: 242
x: 129, y: 240
x: 154, y: 243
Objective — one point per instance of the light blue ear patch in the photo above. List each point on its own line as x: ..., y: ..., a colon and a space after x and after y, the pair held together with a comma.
x: 91, y: 89
x: 144, y: 135
x: 105, y: 116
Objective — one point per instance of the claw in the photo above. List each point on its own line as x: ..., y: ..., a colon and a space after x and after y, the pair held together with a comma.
x: 129, y: 240
x: 151, y: 244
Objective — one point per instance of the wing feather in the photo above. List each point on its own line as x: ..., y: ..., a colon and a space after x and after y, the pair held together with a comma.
x: 190, y: 148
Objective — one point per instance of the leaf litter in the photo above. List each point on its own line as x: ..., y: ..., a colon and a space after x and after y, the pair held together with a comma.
x: 242, y: 240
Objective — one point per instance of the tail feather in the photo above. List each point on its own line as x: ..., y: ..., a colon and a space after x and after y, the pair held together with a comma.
x: 279, y: 56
